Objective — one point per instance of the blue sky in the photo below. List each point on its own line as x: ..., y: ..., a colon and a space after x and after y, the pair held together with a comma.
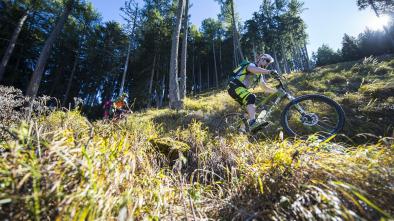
x: 327, y: 20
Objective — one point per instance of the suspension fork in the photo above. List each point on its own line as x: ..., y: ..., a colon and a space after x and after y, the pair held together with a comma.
x: 297, y: 106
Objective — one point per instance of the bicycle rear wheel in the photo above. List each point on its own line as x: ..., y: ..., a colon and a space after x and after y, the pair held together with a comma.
x: 233, y: 123
x: 313, y: 114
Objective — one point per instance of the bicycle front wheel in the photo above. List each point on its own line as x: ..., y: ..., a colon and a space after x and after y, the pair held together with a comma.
x: 313, y: 114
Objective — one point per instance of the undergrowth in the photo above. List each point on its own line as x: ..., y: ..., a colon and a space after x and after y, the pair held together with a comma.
x: 173, y: 165
x: 62, y: 167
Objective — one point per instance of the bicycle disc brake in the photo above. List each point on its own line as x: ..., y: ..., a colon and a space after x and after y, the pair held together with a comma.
x: 310, y: 119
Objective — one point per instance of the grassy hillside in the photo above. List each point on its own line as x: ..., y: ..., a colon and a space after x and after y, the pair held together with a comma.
x: 365, y: 89
x: 169, y: 165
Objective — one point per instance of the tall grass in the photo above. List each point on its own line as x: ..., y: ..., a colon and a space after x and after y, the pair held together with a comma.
x: 62, y: 167
x: 174, y: 165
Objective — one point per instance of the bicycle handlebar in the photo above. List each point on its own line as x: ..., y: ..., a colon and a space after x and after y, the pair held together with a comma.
x: 282, y: 84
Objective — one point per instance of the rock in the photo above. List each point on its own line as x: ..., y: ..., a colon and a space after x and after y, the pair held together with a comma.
x: 170, y: 147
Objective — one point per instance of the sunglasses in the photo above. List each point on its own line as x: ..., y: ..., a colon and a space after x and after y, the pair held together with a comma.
x: 268, y: 61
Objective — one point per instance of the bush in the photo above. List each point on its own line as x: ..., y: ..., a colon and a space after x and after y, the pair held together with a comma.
x: 391, y: 64
x: 12, y: 105
x: 352, y: 100
x: 355, y: 83
x: 382, y: 70
x: 338, y: 79
x: 366, y: 67
x: 15, y: 108
x: 380, y: 91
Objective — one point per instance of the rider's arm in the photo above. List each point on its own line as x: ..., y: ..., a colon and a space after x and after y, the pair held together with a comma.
x: 265, y: 86
x: 256, y: 70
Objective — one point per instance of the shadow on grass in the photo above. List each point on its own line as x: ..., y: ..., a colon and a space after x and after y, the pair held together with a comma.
x: 172, y: 120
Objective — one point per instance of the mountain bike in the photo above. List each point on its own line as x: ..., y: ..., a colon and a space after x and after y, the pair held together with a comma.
x: 120, y: 114
x: 311, y: 114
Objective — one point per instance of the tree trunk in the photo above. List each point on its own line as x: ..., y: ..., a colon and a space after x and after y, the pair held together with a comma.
x: 301, y: 58
x: 277, y: 62
x: 286, y: 66
x: 308, y: 66
x: 55, y: 85
x: 235, y: 59
x: 126, y: 65
x: 193, y: 74
x: 163, y: 91
x: 297, y: 58
x: 199, y: 77
x: 235, y: 32
x: 14, y: 76
x: 70, y: 80
x: 214, y: 64
x: 294, y: 60
x: 44, y: 55
x: 182, y: 86
x: 175, y: 101
x: 254, y: 52
x: 208, y: 78
x: 284, y: 60
x: 152, y: 75
x: 220, y: 58
x: 11, y: 44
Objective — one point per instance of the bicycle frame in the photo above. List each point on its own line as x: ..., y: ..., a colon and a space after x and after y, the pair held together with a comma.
x: 276, y: 98
x: 282, y: 93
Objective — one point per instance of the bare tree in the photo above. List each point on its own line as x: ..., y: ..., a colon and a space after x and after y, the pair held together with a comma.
x: 175, y: 101
x: 214, y: 64
x: 12, y: 43
x: 44, y: 55
x: 237, y: 44
x: 227, y: 7
x: 152, y: 75
x: 199, y: 76
x: 70, y: 80
x: 131, y: 16
x: 183, y: 77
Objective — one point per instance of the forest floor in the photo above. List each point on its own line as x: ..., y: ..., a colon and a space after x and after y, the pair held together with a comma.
x: 161, y: 164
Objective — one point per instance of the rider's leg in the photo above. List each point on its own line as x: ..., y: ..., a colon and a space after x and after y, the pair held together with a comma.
x: 244, y: 97
x: 251, y: 108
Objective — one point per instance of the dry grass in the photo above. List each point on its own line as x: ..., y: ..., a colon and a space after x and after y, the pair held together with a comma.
x: 62, y: 167
x: 363, y: 88
x: 172, y: 165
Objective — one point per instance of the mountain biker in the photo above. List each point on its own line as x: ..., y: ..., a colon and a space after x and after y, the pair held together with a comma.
x: 120, y: 105
x: 107, y: 107
x: 247, y: 78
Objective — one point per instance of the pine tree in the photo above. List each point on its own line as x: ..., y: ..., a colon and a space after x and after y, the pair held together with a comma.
x: 350, y: 50
x: 175, y: 101
x: 44, y: 55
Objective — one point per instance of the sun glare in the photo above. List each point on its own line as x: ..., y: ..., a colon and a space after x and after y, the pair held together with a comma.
x: 378, y: 23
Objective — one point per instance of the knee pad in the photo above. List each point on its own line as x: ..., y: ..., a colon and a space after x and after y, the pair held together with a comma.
x: 251, y: 99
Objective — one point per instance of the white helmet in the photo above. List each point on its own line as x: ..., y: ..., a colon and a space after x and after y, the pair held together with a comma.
x: 268, y: 58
